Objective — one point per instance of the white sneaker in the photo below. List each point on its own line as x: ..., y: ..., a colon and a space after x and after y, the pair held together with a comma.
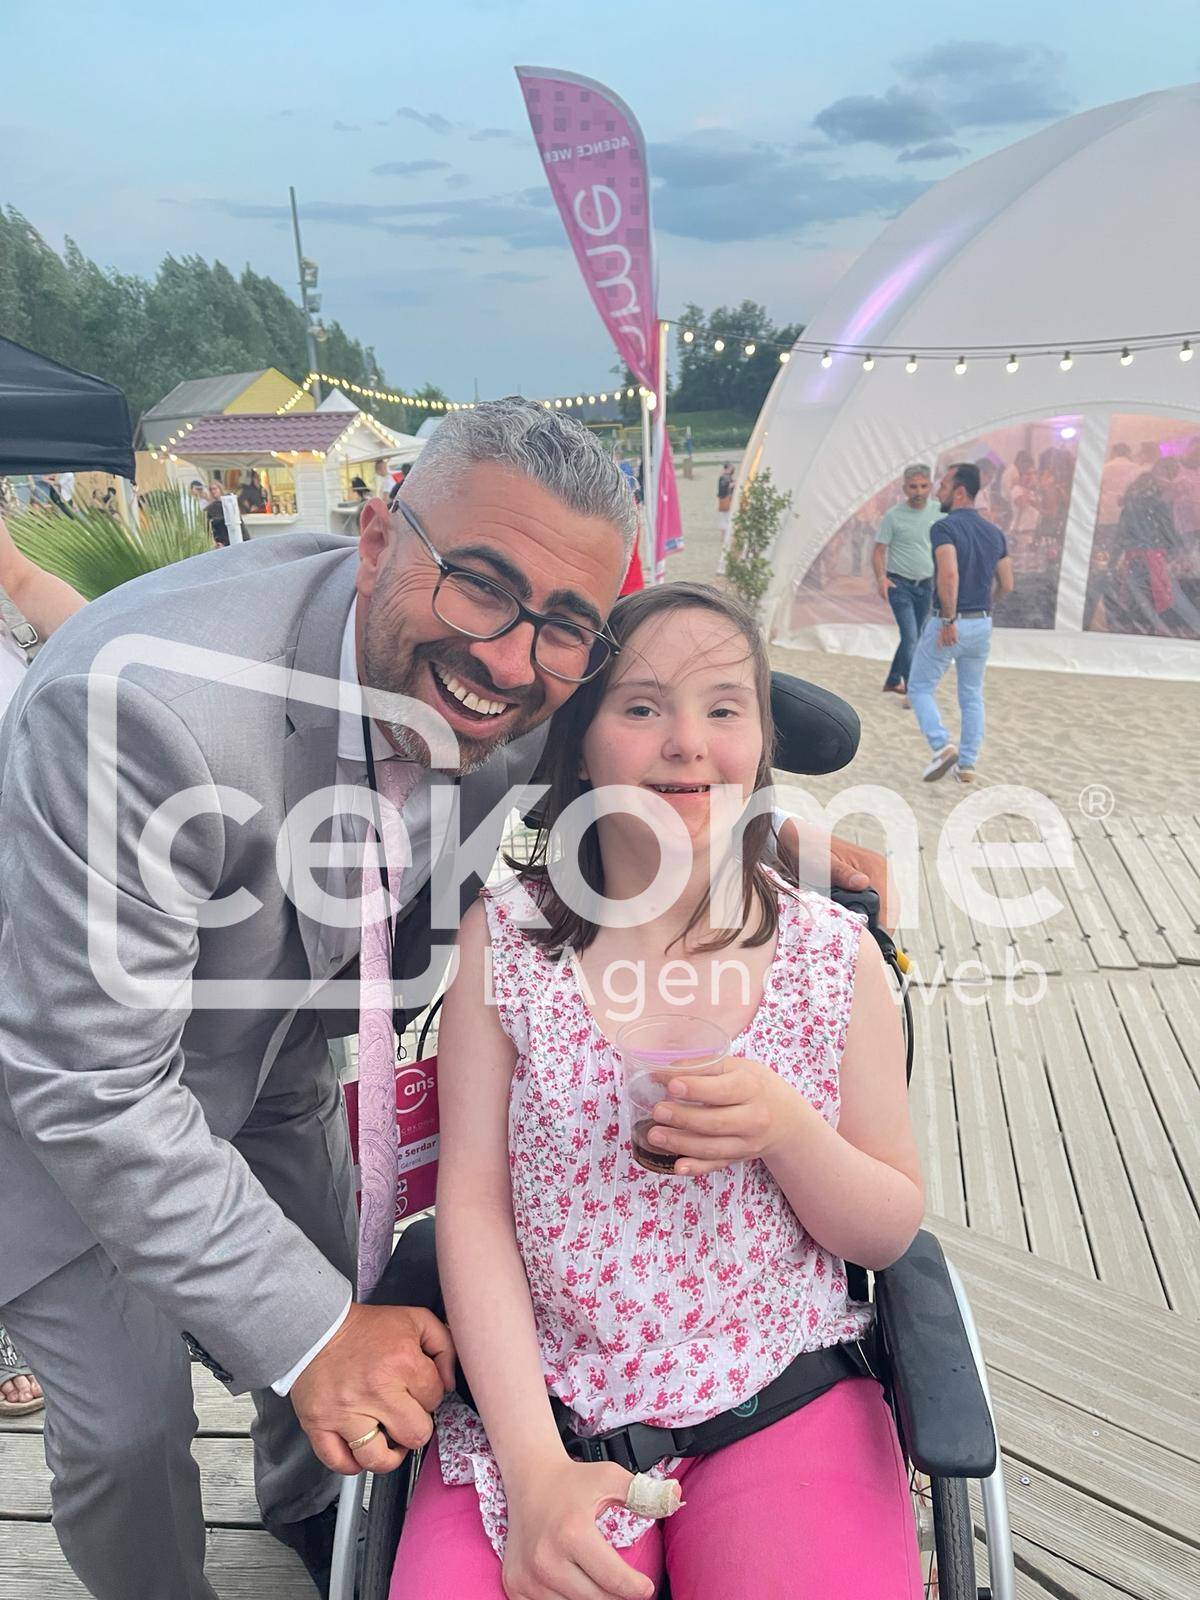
x: 941, y: 764
x: 964, y: 774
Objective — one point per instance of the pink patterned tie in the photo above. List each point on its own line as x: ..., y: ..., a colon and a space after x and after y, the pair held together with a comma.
x: 377, y: 1144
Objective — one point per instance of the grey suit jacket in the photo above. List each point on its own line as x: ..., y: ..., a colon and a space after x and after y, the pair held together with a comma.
x: 116, y: 1118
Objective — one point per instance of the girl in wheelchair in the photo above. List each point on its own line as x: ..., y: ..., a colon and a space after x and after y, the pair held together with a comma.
x: 580, y: 1284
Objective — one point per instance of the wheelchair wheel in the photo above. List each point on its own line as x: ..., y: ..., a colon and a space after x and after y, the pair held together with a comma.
x: 384, y: 1522
x: 946, y: 1536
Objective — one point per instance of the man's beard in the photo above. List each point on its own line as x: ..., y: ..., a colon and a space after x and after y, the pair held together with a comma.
x: 406, y: 671
x: 944, y: 506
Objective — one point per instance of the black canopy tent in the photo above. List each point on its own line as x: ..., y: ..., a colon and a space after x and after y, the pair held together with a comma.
x: 54, y: 419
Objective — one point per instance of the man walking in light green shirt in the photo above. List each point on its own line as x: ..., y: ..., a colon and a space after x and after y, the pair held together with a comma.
x: 903, y: 560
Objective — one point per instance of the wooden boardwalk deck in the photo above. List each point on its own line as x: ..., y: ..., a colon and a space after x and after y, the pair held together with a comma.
x: 1057, y: 1101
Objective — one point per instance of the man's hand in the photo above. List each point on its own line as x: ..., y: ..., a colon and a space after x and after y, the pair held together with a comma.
x: 386, y: 1366
x: 846, y: 866
x: 948, y: 635
x: 885, y: 584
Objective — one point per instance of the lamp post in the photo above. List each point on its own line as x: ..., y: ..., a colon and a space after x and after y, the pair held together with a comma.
x: 310, y: 300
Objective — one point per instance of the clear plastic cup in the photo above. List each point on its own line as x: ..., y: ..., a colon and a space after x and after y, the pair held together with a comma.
x: 655, y: 1050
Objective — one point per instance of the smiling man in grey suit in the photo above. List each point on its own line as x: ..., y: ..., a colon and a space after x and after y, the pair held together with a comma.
x: 173, y: 1155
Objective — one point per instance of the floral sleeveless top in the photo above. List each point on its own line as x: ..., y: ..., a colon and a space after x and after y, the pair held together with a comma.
x: 657, y: 1299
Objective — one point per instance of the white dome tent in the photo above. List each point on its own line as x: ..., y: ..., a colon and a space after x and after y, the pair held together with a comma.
x: 1085, y: 233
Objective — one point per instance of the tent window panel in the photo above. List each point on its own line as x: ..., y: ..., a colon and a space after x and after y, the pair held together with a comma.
x: 840, y: 586
x: 1145, y: 567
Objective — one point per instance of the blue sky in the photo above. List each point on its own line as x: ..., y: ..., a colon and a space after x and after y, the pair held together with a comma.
x: 782, y: 137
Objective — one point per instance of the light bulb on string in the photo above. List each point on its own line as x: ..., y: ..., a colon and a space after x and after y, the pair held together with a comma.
x: 1185, y: 353
x: 960, y: 366
x: 827, y: 359
x: 911, y: 364
x: 688, y: 336
x: 629, y: 394
x: 1067, y: 361
x: 718, y: 345
x: 1126, y: 356
x: 557, y: 405
x: 751, y: 348
x: 1011, y: 364
x: 785, y: 356
x: 603, y: 399
x: 591, y: 399
x: 868, y: 363
x: 578, y: 399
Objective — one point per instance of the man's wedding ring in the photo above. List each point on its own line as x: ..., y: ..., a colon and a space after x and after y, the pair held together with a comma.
x: 357, y: 1444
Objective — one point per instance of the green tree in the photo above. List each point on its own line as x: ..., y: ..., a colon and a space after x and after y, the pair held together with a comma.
x: 728, y: 379
x: 755, y: 529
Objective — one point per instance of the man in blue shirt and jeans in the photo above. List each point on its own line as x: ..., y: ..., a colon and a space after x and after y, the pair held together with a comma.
x: 972, y: 568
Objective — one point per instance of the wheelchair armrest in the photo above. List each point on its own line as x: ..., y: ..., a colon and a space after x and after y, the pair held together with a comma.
x: 411, y: 1275
x: 941, y: 1410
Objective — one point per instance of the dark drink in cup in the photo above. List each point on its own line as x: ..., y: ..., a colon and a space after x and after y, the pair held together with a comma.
x: 655, y: 1050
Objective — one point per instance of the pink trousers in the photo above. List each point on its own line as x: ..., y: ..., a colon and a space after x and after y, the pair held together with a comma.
x: 815, y: 1507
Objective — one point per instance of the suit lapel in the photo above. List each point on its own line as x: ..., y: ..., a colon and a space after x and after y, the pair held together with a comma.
x: 310, y: 749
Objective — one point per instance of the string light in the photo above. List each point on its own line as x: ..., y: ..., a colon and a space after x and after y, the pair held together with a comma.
x: 960, y: 366
x: 785, y: 356
x: 827, y: 359
x: 1011, y: 364
x: 1185, y: 353
x: 1067, y: 362
x: 868, y: 363
x: 718, y: 345
x: 751, y: 348
x: 911, y: 364
x: 1126, y: 356
x: 688, y: 336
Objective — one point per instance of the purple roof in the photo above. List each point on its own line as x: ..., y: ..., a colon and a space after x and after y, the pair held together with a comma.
x: 254, y: 433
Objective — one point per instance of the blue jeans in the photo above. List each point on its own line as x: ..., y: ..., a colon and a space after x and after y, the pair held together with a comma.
x: 909, y: 599
x: 970, y: 656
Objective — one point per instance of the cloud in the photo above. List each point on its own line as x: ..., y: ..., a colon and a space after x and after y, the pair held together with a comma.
x: 408, y: 169
x: 427, y: 119
x: 513, y: 220
x: 717, y: 187
x: 982, y: 84
x: 935, y: 150
x: 899, y: 117
x: 347, y: 127
x: 514, y: 277
x: 484, y: 135
x: 458, y: 180
x: 275, y: 115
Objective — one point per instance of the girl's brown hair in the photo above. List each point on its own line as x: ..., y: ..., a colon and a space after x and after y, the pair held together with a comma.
x: 560, y: 768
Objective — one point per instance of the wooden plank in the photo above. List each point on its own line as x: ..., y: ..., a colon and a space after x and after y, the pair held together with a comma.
x: 1155, y: 887
x: 955, y: 933
x: 1100, y: 1539
x: 1170, y: 1078
x: 1063, y: 932
x: 226, y: 1479
x: 1105, y: 1462
x: 1093, y: 913
x: 218, y: 1411
x: 991, y: 933
x: 1186, y: 833
x: 1053, y: 1217
x: 993, y: 1194
x: 1179, y: 992
x: 240, y: 1565
x: 1082, y: 1341
x: 920, y: 942
x: 935, y: 1115
x: 1116, y: 1233
x: 1172, y: 859
x: 1167, y: 1210
x: 1133, y: 916
x: 1054, y: 1576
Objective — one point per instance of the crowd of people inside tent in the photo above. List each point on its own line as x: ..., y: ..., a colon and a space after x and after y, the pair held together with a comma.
x: 1144, y: 575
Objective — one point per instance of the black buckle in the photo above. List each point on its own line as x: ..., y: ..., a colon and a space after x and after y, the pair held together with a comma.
x: 637, y: 1448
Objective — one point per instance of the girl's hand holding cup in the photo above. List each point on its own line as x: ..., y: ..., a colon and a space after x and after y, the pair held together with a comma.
x: 738, y: 1114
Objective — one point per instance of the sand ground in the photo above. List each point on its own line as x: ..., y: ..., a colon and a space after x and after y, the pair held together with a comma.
x: 1056, y: 732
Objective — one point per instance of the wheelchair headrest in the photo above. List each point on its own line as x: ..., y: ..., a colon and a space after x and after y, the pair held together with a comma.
x: 815, y: 731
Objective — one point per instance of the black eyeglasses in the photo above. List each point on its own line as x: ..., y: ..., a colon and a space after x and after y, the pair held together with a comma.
x: 473, y: 605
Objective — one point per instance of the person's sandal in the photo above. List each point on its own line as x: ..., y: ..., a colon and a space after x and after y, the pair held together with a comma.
x: 11, y: 1367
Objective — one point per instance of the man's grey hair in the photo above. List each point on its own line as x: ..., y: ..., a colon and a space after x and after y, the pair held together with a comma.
x: 555, y: 451
x: 917, y: 470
